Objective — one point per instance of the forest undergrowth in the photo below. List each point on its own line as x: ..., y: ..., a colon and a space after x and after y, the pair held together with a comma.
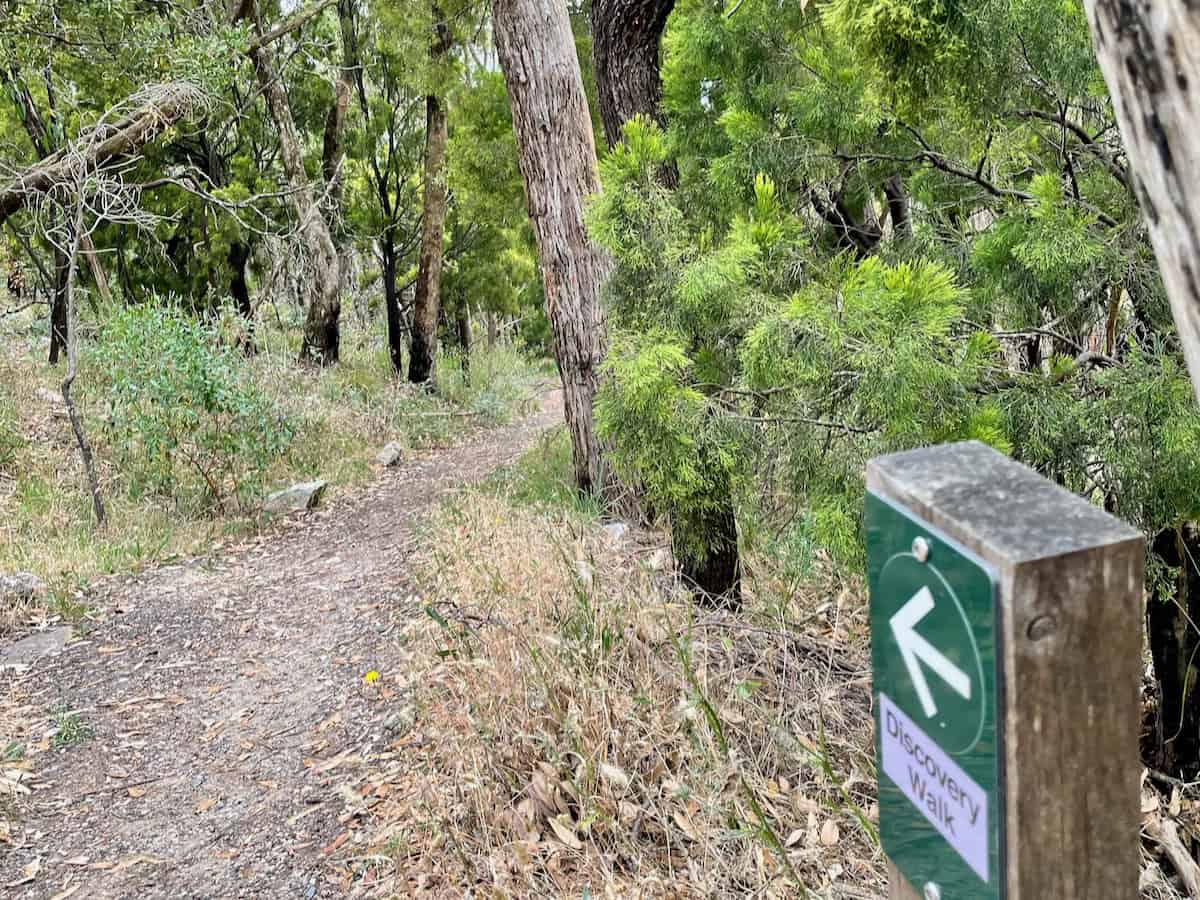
x: 573, y: 725
x: 272, y: 423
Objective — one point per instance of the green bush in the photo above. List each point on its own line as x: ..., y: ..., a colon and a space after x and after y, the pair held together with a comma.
x: 185, y: 416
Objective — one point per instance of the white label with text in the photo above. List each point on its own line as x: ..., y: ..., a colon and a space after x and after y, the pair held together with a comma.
x: 947, y: 796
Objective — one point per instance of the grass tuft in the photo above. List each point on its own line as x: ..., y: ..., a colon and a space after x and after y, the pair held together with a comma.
x: 69, y: 729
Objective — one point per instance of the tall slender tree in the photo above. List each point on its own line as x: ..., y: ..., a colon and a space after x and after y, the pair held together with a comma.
x: 321, y: 335
x: 1147, y: 52
x: 558, y: 162
x: 427, y: 304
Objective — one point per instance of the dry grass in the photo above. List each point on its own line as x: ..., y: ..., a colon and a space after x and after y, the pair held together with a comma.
x: 569, y: 725
x: 578, y: 728
x: 344, y: 415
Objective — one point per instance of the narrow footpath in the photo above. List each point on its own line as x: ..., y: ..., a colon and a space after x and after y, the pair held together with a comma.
x: 221, y: 696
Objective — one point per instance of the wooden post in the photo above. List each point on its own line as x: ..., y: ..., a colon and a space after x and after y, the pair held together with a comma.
x: 1068, y: 582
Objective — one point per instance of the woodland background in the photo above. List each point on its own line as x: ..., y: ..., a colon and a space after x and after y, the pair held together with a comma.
x: 761, y: 241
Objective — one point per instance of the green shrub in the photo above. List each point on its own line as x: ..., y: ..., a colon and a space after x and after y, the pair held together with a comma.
x: 185, y: 416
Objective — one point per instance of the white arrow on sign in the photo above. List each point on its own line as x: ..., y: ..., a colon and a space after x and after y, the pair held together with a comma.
x: 916, y: 650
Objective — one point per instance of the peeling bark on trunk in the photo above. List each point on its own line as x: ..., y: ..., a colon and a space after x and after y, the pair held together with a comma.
x: 625, y: 45
x: 558, y: 162
x: 1150, y: 55
x: 433, y: 221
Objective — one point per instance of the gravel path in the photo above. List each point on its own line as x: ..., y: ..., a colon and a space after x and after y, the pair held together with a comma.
x: 226, y: 698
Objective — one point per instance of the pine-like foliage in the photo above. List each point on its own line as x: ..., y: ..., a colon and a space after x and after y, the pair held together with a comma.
x: 898, y: 223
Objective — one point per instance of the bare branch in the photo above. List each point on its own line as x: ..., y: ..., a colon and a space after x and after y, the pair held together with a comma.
x: 155, y: 109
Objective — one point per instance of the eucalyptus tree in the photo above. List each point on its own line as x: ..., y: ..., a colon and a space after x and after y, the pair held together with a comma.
x: 1148, y: 54
x: 553, y: 128
x: 626, y: 35
x: 427, y: 302
x: 321, y: 328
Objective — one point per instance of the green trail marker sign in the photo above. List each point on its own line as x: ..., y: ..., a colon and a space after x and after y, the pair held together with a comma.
x: 1007, y: 651
x: 934, y: 654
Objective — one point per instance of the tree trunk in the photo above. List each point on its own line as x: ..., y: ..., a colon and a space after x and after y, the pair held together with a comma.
x: 333, y: 157
x: 321, y: 338
x: 557, y: 154
x: 493, y: 330
x: 391, y: 298
x: 462, y: 325
x: 1171, y: 618
x: 625, y: 48
x: 239, y: 256
x: 433, y: 219
x: 1148, y: 53
x: 714, y: 572
x: 58, y: 308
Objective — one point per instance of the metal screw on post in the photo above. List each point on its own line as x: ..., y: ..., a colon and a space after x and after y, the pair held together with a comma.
x: 932, y: 891
x: 920, y: 549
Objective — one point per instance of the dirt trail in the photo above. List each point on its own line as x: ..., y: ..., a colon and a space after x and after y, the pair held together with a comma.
x: 224, y: 695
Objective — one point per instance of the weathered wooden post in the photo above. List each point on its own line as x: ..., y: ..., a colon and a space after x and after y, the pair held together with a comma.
x: 1006, y: 646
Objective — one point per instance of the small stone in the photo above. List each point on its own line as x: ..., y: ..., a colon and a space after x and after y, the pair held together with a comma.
x: 390, y: 455
x: 401, y: 722
x: 616, y: 531
x: 27, y: 651
x: 304, y: 495
x: 48, y: 396
x: 20, y: 586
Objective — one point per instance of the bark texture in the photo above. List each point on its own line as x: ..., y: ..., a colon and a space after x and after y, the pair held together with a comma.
x: 1149, y: 51
x: 626, y: 36
x: 427, y: 304
x: 333, y: 157
x: 558, y: 162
